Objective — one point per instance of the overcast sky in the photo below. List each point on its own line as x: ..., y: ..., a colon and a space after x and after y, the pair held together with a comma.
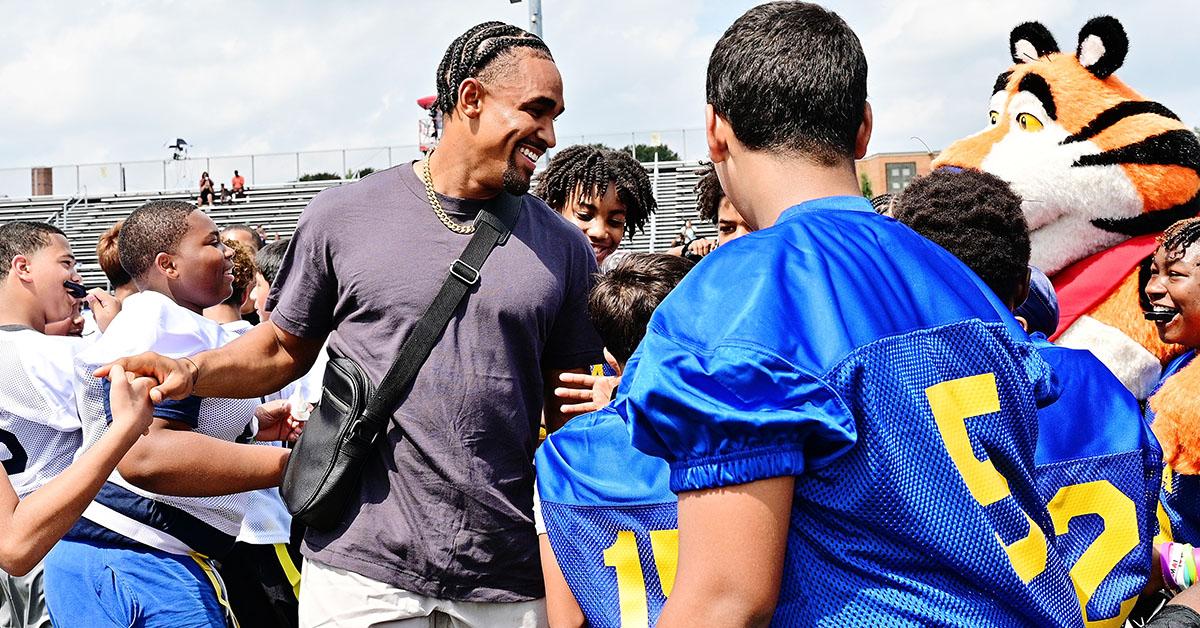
x: 88, y: 81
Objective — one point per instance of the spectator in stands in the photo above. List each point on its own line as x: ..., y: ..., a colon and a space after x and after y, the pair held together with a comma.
x: 226, y: 196
x: 250, y: 236
x: 239, y: 185
x: 715, y: 207
x: 606, y: 193
x: 206, y: 190
x: 459, y: 542
x: 591, y: 480
x: 268, y: 261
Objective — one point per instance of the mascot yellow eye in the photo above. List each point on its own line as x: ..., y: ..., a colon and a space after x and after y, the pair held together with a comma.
x: 1029, y: 123
x: 995, y: 116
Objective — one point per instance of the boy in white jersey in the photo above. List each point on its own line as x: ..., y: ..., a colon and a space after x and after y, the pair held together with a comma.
x: 141, y: 554
x: 262, y: 570
x: 39, y: 429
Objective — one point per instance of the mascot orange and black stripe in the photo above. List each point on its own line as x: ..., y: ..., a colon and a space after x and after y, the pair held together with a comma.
x: 1102, y: 171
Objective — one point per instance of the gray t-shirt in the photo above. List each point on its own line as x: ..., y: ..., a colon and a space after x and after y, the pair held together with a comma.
x: 446, y: 510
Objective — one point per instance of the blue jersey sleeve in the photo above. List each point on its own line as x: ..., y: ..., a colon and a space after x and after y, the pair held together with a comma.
x: 732, y: 415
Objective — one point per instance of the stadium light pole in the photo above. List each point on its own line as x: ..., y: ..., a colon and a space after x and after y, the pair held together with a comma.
x: 535, y: 16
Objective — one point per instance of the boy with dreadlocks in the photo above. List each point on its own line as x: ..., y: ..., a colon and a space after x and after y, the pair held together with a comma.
x: 605, y: 193
x: 439, y: 529
x: 1172, y: 302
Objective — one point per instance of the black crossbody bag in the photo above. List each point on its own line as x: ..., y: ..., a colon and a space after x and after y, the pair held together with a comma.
x: 325, y: 467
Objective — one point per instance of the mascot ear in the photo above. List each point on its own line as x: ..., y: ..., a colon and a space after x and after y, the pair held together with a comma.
x: 1030, y: 41
x: 1102, y: 46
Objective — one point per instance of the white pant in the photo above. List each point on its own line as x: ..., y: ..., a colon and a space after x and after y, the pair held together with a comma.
x: 336, y: 598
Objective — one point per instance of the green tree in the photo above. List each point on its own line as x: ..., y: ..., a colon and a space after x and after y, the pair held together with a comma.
x: 866, y: 186
x: 319, y: 176
x: 645, y: 152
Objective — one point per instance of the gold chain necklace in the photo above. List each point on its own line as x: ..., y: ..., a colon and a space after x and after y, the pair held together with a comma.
x: 437, y: 205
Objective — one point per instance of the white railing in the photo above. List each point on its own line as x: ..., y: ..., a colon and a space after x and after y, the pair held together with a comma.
x: 273, y: 168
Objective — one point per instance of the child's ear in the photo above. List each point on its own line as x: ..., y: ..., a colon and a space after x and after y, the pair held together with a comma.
x: 165, y: 264
x: 608, y: 357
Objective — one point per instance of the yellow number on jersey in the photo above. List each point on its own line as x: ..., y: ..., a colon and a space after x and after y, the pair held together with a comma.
x: 1119, y: 536
x: 954, y: 402
x: 623, y: 557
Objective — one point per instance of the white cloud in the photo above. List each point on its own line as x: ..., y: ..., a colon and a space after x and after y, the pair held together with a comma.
x: 93, y: 81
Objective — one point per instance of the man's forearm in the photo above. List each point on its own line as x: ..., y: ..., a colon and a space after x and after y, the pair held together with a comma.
x: 189, y: 464
x: 261, y: 362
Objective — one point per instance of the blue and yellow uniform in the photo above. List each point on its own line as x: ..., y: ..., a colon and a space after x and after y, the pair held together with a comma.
x: 1180, y: 494
x: 878, y: 370
x: 1098, y: 470
x: 611, y: 520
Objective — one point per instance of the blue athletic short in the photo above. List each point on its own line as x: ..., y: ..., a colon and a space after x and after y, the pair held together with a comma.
x: 94, y: 584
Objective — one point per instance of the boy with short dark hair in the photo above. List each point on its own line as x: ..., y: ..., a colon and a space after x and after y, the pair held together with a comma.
x: 176, y: 502
x: 1095, y: 455
x: 815, y: 387
x: 592, y: 483
x: 43, y: 492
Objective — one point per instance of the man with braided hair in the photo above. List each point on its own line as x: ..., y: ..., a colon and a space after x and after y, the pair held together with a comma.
x: 440, y: 530
x: 602, y: 191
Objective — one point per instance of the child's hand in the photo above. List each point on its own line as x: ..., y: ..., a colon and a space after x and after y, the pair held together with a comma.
x: 584, y: 393
x: 276, y: 422
x: 129, y: 400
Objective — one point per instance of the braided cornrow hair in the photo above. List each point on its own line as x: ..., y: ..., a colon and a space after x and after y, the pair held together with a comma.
x: 1179, y: 237
x: 584, y: 171
x: 709, y: 194
x: 469, y: 55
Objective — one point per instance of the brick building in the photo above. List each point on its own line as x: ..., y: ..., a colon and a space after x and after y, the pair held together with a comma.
x: 891, y: 172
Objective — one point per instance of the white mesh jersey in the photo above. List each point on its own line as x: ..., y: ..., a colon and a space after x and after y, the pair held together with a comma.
x: 150, y: 321
x: 39, y: 428
x: 267, y: 518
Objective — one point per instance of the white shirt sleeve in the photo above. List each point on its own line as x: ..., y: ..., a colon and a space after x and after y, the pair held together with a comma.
x: 539, y: 525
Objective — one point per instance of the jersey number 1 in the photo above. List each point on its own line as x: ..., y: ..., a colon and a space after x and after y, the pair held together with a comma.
x: 623, y: 557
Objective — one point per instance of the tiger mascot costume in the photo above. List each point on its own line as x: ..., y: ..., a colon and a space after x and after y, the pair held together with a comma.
x: 1102, y: 171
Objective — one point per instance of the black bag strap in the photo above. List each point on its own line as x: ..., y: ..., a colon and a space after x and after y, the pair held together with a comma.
x: 493, y: 225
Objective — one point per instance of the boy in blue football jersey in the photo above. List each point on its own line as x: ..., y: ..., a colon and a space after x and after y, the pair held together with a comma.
x: 852, y: 439
x: 599, y: 498
x: 1097, y: 462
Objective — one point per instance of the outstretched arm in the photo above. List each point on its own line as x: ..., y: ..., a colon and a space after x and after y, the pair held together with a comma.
x: 261, y: 362
x: 30, y: 527
x: 731, y: 549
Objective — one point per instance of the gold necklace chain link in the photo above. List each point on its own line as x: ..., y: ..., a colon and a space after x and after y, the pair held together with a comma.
x: 437, y: 205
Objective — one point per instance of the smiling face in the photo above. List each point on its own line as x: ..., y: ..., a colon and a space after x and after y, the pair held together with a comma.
x: 202, y: 265
x: 1174, y: 287
x: 602, y: 219
x: 46, y: 269
x: 516, y: 112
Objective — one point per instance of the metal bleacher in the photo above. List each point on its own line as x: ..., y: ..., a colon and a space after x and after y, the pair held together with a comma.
x: 277, y: 209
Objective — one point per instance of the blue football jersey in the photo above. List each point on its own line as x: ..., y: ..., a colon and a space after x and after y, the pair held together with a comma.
x: 1098, y: 470
x: 1180, y: 494
x: 611, y: 520
x: 840, y: 347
